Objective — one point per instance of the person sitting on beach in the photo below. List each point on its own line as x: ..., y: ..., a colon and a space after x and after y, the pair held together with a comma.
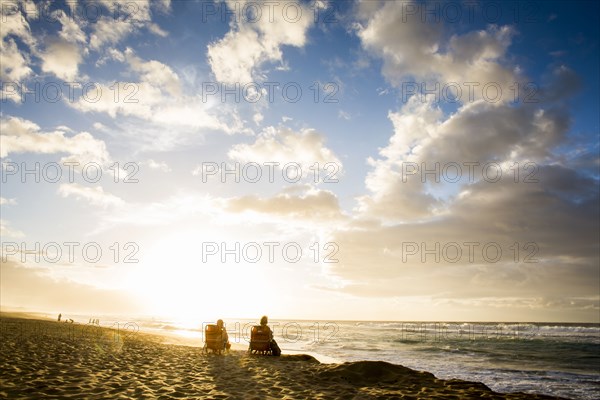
x: 275, y: 350
x: 224, y: 335
x: 263, y: 323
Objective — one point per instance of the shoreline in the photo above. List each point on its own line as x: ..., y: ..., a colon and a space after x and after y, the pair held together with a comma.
x: 168, y: 337
x: 48, y: 358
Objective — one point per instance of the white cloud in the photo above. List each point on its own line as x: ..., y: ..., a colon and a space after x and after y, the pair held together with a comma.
x: 133, y: 99
x: 128, y: 17
x: 70, y: 30
x: 234, y: 58
x: 283, y: 145
x: 157, y: 30
x: 157, y: 99
x: 344, y: 115
x: 478, y: 132
x: 484, y: 132
x: 109, y: 31
x: 160, y: 123
x: 192, y: 112
x: 139, y: 11
x: 14, y: 23
x: 23, y: 136
x: 239, y: 56
x: 94, y: 195
x: 155, y: 72
x: 15, y: 64
x: 30, y: 8
x: 258, y: 118
x: 62, y: 58
x: 6, y: 231
x: 321, y: 205
x: 5, y: 201
x: 176, y: 208
x: 410, y: 47
x: 392, y: 198
x: 158, y: 165
x: 162, y: 5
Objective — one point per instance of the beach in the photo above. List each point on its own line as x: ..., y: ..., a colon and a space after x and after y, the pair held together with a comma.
x: 50, y: 359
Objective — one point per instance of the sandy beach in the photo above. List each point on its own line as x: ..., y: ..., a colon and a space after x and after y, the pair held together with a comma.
x: 61, y: 360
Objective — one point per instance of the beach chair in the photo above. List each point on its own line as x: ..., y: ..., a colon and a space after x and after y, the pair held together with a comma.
x: 213, y: 339
x: 260, y: 341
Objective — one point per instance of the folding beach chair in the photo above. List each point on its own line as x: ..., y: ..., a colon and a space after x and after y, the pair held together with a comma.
x: 213, y: 339
x: 260, y: 341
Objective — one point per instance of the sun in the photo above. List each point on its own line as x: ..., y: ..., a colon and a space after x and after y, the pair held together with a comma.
x: 172, y: 280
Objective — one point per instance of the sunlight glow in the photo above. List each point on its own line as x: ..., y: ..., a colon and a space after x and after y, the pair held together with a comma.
x: 172, y: 281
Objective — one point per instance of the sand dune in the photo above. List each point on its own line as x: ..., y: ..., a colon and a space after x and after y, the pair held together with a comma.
x: 56, y: 360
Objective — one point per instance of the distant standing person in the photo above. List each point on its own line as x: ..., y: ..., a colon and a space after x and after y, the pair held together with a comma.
x: 59, y: 317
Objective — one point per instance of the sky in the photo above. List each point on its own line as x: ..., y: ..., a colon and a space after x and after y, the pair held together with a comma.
x: 351, y: 160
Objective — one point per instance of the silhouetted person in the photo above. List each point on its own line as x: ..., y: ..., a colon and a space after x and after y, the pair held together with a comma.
x: 59, y: 317
x: 224, y: 335
x: 276, y: 351
x: 263, y: 323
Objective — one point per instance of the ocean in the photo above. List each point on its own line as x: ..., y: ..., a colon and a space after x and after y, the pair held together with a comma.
x: 547, y: 358
x: 555, y: 359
